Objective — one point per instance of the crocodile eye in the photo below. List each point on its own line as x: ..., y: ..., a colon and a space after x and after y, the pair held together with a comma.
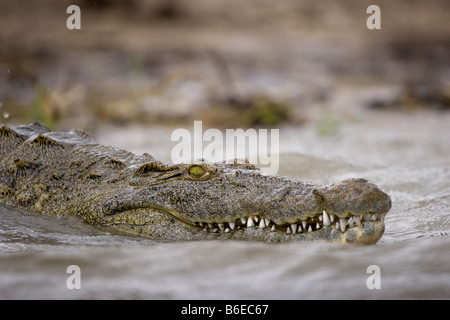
x: 196, y: 171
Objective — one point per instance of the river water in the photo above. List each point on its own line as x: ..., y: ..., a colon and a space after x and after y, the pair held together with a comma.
x: 406, y: 154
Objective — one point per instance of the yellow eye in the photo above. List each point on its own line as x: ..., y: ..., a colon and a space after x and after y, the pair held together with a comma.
x: 196, y: 171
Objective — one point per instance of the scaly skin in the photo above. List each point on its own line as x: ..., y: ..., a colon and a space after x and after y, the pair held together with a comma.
x: 57, y: 173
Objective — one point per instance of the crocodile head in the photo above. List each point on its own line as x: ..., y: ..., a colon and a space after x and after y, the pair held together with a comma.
x: 58, y: 173
x: 201, y: 201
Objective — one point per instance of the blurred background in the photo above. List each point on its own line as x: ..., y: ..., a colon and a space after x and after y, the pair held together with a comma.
x: 229, y: 63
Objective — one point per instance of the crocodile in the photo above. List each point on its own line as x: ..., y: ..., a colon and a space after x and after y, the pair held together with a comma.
x: 68, y: 173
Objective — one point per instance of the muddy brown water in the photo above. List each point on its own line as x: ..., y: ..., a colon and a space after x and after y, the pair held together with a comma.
x: 407, y: 155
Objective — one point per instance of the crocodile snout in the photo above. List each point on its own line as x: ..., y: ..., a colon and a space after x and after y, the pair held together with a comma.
x: 354, y: 197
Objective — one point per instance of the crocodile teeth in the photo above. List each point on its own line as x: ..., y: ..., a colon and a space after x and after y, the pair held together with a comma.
x: 326, y: 220
x: 262, y: 224
x: 294, y: 228
x: 301, y: 226
x: 342, y: 224
x: 304, y: 224
x: 350, y: 223
x: 357, y: 220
